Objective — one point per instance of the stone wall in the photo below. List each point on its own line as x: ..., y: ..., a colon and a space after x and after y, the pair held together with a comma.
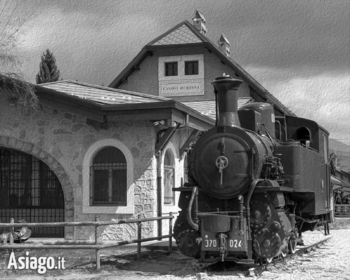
x: 61, y: 138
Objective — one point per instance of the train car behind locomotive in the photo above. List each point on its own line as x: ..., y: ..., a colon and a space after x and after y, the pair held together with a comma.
x: 255, y: 183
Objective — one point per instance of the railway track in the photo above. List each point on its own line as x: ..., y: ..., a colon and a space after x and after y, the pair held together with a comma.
x: 258, y: 270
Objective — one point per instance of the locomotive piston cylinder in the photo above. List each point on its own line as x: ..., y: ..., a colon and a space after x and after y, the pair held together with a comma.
x: 226, y: 89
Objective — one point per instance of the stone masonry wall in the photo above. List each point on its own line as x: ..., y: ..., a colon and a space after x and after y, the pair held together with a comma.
x: 60, y: 139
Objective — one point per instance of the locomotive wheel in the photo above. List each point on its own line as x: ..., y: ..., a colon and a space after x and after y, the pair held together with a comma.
x: 284, y: 252
x: 267, y: 243
x: 260, y: 215
x: 187, y: 244
x: 292, y: 246
x: 266, y: 260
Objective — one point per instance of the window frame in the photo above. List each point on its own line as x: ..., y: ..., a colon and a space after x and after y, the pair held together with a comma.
x: 110, y: 167
x: 169, y: 164
x: 181, y: 59
x: 86, y: 187
x: 174, y: 69
x: 167, y: 208
x: 195, y: 67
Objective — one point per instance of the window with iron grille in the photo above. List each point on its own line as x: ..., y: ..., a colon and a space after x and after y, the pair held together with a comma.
x: 108, y: 178
x: 170, y: 68
x: 30, y: 191
x: 191, y: 67
x: 169, y: 178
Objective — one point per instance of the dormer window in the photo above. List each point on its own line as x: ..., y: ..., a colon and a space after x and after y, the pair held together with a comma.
x: 191, y: 67
x: 170, y: 69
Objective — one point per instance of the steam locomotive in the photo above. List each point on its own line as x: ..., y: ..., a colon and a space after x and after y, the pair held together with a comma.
x: 256, y: 182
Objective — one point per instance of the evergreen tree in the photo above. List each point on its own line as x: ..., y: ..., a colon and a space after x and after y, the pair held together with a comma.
x: 48, y: 71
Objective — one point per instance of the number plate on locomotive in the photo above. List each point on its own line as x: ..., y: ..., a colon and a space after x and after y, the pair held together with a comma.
x: 231, y: 243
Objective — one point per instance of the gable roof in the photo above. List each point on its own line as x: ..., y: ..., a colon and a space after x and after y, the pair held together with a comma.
x: 174, y: 35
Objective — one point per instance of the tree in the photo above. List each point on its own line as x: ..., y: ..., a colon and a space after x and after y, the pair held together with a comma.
x: 12, y: 83
x: 48, y: 71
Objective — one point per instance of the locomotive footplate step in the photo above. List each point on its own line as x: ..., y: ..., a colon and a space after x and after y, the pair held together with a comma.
x: 159, y: 245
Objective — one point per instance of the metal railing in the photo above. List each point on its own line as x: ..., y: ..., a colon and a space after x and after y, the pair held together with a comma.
x: 95, y: 246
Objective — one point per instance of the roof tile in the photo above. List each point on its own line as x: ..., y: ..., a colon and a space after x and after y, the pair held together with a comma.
x: 102, y: 95
x: 181, y: 35
x: 207, y: 107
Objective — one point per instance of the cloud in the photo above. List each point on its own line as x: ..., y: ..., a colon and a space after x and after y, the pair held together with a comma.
x: 87, y: 47
x: 291, y: 34
x: 307, y: 37
x: 299, y: 50
x: 323, y: 98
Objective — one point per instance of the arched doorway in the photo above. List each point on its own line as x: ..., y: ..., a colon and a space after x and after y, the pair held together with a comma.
x: 30, y: 191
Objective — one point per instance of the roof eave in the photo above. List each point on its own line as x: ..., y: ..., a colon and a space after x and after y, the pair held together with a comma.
x: 70, y: 103
x: 153, y: 111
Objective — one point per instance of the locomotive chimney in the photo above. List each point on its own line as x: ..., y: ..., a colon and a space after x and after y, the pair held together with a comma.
x: 226, y: 90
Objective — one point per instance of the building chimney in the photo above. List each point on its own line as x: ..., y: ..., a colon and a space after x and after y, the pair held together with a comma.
x: 224, y: 45
x: 199, y: 22
x: 226, y: 89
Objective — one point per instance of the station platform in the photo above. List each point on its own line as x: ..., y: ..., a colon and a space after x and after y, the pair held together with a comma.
x: 340, y: 223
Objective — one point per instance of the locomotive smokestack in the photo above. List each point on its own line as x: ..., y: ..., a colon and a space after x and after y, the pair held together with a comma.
x: 226, y: 89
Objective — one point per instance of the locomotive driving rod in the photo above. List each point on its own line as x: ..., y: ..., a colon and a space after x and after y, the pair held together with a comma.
x: 189, y: 211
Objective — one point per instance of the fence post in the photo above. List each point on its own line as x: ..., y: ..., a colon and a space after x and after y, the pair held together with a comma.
x: 98, y: 259
x: 171, y: 232
x: 12, y: 221
x: 96, y: 230
x: 139, y: 236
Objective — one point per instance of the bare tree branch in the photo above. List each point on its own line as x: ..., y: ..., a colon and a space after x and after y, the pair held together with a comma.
x: 12, y: 83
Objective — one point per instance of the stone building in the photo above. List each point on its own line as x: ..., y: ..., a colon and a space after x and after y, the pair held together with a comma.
x: 92, y: 152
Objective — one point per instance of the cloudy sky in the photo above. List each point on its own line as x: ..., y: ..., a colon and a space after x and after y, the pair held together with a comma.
x: 299, y: 50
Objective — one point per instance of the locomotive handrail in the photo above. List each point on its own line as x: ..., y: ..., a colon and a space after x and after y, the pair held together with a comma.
x: 183, y: 189
x: 241, y: 207
x: 251, y: 190
x: 189, y: 210
x: 217, y: 213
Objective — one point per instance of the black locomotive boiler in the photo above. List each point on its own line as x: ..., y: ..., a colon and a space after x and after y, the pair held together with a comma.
x: 256, y: 182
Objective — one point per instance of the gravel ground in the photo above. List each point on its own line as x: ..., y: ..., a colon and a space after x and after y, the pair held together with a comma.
x: 330, y: 261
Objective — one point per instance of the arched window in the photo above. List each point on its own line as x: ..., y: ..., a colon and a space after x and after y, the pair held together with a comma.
x: 169, y: 178
x: 303, y: 134
x: 30, y: 191
x: 108, y: 178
